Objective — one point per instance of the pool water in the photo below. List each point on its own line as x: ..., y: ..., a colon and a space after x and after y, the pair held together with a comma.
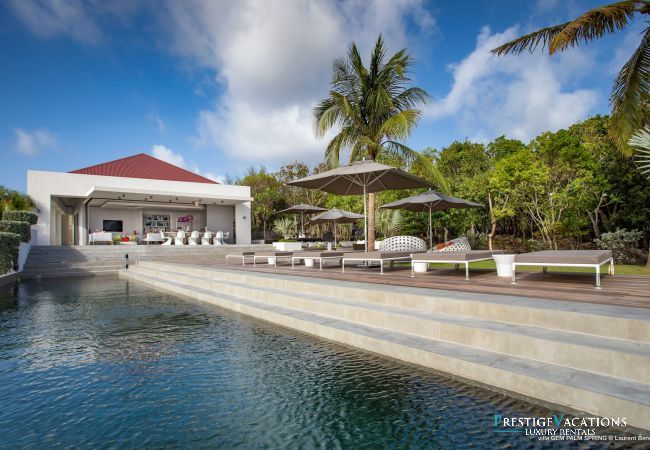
x: 111, y: 363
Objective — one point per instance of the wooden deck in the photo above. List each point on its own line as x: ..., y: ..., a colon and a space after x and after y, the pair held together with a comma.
x: 622, y: 290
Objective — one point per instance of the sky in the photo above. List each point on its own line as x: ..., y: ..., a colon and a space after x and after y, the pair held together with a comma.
x: 218, y: 86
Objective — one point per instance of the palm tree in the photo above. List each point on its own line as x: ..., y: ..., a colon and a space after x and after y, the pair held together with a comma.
x: 374, y: 109
x: 631, y: 87
x: 641, y: 142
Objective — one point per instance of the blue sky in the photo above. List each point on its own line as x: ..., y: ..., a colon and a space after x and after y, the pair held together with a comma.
x: 218, y: 86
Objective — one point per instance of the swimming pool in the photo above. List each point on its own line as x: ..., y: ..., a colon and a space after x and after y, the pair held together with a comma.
x: 107, y: 362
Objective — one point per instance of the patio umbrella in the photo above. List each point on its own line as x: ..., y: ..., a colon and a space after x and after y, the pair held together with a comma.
x: 431, y: 201
x: 302, y: 209
x: 336, y: 215
x: 361, y: 177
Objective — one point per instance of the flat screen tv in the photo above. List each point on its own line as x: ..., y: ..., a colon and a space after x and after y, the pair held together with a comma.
x: 112, y: 225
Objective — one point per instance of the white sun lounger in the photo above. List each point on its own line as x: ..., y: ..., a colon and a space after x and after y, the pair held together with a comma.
x: 566, y: 258
x: 454, y: 257
x: 243, y: 256
x: 316, y: 256
x: 286, y: 256
x: 377, y: 256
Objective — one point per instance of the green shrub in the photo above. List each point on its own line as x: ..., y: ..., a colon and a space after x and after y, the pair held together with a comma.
x: 622, y: 243
x: 9, y: 243
x: 24, y: 229
x: 20, y: 216
x: 287, y: 240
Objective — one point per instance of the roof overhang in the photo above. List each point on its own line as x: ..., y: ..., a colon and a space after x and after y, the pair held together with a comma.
x: 147, y: 196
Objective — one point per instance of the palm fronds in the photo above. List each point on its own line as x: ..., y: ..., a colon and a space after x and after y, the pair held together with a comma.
x: 630, y: 93
x: 641, y: 142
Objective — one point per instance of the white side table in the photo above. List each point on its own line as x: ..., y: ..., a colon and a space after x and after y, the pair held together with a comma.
x: 420, y: 267
x: 504, y: 265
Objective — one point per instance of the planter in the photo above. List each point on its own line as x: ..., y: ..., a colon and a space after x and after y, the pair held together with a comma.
x: 287, y: 246
x: 420, y: 267
x: 504, y: 265
x: 309, y: 262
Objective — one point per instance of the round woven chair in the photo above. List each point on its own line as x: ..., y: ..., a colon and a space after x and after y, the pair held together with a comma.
x: 403, y: 244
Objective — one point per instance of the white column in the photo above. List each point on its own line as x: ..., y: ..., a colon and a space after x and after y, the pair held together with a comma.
x: 82, y: 229
x: 243, y: 223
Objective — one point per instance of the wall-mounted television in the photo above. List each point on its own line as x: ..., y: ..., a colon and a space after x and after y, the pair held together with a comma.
x: 113, y: 225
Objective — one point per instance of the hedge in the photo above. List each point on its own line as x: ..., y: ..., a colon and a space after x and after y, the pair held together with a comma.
x: 20, y: 216
x: 9, y: 243
x: 24, y: 229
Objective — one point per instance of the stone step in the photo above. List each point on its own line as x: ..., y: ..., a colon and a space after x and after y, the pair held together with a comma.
x: 613, y: 357
x: 576, y: 389
x: 625, y: 323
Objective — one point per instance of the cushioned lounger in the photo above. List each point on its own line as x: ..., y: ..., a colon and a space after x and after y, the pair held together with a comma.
x: 317, y: 256
x: 566, y: 258
x: 275, y: 255
x: 459, y: 257
x: 240, y: 255
x: 377, y: 256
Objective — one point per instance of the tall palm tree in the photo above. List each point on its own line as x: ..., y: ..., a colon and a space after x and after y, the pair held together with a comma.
x: 374, y: 108
x: 631, y: 89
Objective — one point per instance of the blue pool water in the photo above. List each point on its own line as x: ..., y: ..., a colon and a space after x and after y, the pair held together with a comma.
x: 109, y: 363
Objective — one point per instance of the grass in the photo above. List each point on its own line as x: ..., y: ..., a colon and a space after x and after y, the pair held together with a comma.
x: 621, y: 269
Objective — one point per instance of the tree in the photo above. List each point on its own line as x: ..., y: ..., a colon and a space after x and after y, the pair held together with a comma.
x: 11, y: 200
x: 265, y: 189
x: 374, y: 109
x: 631, y: 89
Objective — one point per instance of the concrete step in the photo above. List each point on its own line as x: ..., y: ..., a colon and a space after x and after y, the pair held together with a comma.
x: 72, y: 273
x: 577, y: 389
x: 614, y: 357
x: 632, y: 324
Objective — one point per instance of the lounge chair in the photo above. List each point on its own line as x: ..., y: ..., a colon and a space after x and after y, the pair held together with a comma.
x: 180, y: 238
x: 316, y: 256
x: 272, y: 255
x: 566, y: 258
x: 194, y: 239
x: 218, y: 238
x: 240, y: 255
x: 207, y: 237
x: 167, y: 240
x: 377, y: 256
x: 454, y: 257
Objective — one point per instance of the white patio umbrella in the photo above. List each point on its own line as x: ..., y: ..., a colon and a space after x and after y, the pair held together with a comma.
x: 361, y: 177
x: 334, y: 216
x: 431, y: 201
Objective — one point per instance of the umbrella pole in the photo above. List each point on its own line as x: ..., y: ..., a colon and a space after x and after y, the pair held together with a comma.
x: 430, y: 230
x: 302, y: 223
x: 334, y: 235
x: 365, y: 219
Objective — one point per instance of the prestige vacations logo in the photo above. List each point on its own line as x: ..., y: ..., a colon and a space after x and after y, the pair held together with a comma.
x: 558, y: 427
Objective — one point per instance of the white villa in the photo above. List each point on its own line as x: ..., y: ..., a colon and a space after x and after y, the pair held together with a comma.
x: 134, y: 195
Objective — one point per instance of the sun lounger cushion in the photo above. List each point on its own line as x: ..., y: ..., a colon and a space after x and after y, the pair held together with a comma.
x: 376, y: 255
x: 469, y: 255
x: 317, y: 254
x: 565, y: 257
x: 270, y: 254
x: 250, y: 253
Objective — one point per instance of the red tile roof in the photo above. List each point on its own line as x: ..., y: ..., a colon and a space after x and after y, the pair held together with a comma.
x: 143, y: 166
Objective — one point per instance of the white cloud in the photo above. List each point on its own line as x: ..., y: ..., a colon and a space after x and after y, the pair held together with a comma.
x: 166, y: 154
x: 520, y: 95
x: 155, y: 118
x: 51, y: 18
x: 32, y: 142
x: 275, y: 64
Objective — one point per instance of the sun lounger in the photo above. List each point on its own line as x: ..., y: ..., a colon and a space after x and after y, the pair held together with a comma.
x: 566, y: 258
x: 272, y: 255
x: 455, y: 257
x: 316, y: 256
x: 376, y: 256
x: 240, y: 255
